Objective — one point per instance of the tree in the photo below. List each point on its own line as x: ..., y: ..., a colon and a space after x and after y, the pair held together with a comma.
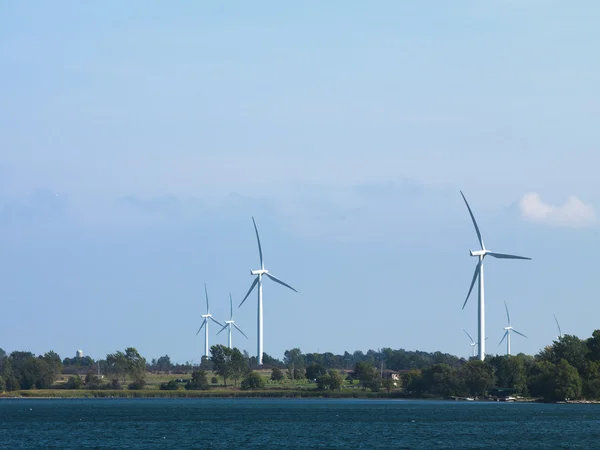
x: 331, y: 380
x: 221, y: 360
x: 477, y: 377
x: 570, y: 348
x: 366, y: 374
x: 510, y: 372
x: 294, y: 360
x: 163, y: 364
x: 555, y: 382
x: 388, y: 384
x: 593, y: 345
x: 277, y: 374
x: 239, y: 365
x: 315, y: 370
x: 252, y: 381
x: 126, y: 366
x: 439, y: 380
x: 199, y: 381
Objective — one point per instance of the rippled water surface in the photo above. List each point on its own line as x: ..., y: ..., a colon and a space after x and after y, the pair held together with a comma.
x: 281, y: 423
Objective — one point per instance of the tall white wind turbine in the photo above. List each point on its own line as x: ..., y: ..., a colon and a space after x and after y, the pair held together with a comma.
x: 231, y: 323
x: 206, y: 317
x: 258, y: 280
x: 508, y: 329
x: 560, y: 335
x: 481, y: 254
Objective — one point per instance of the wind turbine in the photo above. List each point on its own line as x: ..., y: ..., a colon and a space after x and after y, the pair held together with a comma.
x: 481, y: 254
x: 206, y: 316
x: 258, y: 280
x: 508, y: 329
x: 473, y: 343
x: 231, y: 323
x: 560, y: 335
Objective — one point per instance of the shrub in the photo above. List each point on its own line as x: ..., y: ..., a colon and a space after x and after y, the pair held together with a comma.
x: 170, y: 385
x: 136, y: 385
x: 214, y: 380
x: 74, y: 382
x: 252, y: 381
x: 277, y: 374
x: 199, y: 381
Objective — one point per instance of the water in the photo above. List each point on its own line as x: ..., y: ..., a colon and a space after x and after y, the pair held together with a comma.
x: 279, y: 423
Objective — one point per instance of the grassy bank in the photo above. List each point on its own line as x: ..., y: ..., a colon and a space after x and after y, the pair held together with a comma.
x: 212, y: 393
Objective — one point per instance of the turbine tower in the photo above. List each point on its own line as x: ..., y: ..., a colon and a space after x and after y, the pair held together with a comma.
x: 560, y: 335
x: 206, y: 317
x: 231, y: 323
x: 481, y: 254
x: 508, y: 329
x: 258, y: 280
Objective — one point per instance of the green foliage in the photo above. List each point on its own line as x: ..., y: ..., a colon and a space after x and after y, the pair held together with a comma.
x: 163, y: 364
x: 74, y: 382
x: 554, y: 382
x: 239, y: 365
x: 477, y: 377
x: 367, y: 375
x: 221, y: 360
x: 214, y: 380
x: 252, y: 380
x: 137, y: 384
x: 170, y: 385
x: 277, y: 374
x: 511, y: 372
x: 570, y: 348
x: 199, y: 381
x: 331, y: 380
x: 2, y: 383
x: 315, y: 370
x: 388, y: 384
x: 126, y: 366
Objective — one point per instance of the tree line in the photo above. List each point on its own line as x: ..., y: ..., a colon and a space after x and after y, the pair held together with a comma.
x: 569, y: 368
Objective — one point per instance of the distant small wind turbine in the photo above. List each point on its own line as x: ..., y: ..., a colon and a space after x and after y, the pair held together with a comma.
x: 481, y: 254
x: 258, y: 280
x: 473, y: 343
x: 560, y: 335
x: 508, y: 329
x: 206, y: 316
x: 231, y: 323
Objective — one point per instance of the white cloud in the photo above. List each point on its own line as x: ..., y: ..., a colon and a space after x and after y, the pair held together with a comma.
x: 573, y: 213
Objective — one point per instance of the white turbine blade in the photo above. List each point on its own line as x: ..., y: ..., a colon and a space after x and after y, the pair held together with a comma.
x: 505, y: 256
x: 203, y: 323
x: 475, y: 275
x: 519, y: 333
x: 206, y: 294
x: 254, y: 283
x: 259, y: 247
x: 507, y: 315
x: 503, y: 337
x: 559, y: 332
x: 216, y: 321
x: 469, y: 337
x: 474, y: 221
x: 238, y: 328
x: 277, y: 280
x: 224, y: 326
x: 230, y: 307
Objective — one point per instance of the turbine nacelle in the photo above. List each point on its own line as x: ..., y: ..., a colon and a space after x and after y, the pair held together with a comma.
x: 478, y: 252
x: 259, y: 272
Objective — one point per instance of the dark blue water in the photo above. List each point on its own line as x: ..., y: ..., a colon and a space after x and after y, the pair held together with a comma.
x: 278, y: 423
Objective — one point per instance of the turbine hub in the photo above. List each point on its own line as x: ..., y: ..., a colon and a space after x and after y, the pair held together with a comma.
x: 258, y: 272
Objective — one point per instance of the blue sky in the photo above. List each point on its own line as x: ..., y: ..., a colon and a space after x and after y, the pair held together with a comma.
x: 138, y: 140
